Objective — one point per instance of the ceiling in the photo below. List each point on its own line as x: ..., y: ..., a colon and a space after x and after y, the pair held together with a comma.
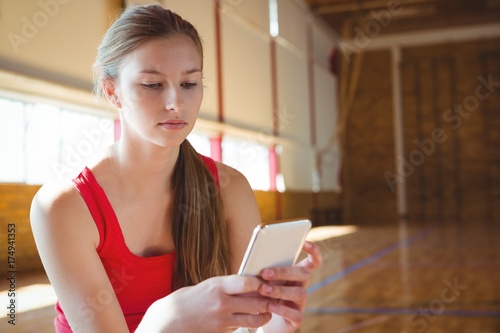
x: 398, y: 16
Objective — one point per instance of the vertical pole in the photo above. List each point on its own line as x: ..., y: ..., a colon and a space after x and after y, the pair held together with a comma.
x: 218, y: 50
x: 399, y: 150
x: 216, y: 148
x: 273, y: 168
x: 216, y: 141
x: 311, y: 85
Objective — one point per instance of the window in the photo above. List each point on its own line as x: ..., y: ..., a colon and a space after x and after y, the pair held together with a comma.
x: 250, y: 158
x: 274, y: 27
x: 39, y: 142
x: 11, y: 141
x: 200, y: 142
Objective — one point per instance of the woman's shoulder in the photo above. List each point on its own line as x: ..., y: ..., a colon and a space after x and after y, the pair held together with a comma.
x: 235, y: 189
x: 58, y: 207
x: 61, y: 196
x: 55, y: 195
x: 230, y: 179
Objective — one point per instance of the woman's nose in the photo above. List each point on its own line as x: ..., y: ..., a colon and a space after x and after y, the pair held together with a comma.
x: 174, y: 100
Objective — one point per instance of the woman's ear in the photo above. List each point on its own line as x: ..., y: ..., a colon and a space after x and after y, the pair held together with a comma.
x: 110, y: 90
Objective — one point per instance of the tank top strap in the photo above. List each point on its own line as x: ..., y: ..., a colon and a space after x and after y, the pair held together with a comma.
x: 96, y: 201
x: 212, y: 167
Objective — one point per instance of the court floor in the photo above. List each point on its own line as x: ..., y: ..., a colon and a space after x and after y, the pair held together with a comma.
x: 392, y: 279
x: 406, y: 279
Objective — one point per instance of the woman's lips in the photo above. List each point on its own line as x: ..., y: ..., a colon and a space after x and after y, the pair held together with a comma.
x: 173, y: 124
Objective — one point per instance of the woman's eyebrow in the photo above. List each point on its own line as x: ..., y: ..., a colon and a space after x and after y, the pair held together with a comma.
x: 155, y: 72
x: 151, y: 71
x: 191, y: 71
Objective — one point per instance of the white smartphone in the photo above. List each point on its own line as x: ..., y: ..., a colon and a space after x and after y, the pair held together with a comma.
x: 274, y: 245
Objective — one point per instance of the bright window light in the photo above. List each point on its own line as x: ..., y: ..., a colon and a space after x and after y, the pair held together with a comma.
x: 274, y: 26
x: 200, y: 142
x: 325, y: 232
x: 280, y: 183
x: 11, y: 141
x: 39, y: 142
x: 42, y: 135
x: 251, y: 159
x: 83, y: 139
x: 32, y: 297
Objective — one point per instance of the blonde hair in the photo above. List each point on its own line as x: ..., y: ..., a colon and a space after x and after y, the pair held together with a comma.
x: 198, y: 226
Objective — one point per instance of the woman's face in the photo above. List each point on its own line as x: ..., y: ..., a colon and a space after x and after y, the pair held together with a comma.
x: 159, y: 91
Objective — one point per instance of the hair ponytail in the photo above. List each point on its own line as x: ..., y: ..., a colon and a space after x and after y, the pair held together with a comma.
x: 198, y: 225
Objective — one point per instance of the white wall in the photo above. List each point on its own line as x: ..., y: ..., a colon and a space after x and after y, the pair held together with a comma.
x: 246, y: 72
x: 54, y: 40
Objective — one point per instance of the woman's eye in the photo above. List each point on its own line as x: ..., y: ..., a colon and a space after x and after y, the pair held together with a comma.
x: 150, y: 85
x: 188, y: 85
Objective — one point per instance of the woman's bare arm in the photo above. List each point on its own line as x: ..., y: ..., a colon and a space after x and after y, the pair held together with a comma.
x: 66, y: 237
x: 241, y: 211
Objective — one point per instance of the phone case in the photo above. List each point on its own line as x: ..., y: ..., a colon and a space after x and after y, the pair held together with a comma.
x: 274, y: 245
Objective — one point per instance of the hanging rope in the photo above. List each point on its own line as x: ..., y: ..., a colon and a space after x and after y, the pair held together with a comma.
x: 350, y: 72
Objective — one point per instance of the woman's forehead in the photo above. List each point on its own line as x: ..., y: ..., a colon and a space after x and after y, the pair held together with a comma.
x: 179, y: 54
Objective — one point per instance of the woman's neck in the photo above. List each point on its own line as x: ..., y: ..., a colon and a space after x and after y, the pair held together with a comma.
x: 145, y: 170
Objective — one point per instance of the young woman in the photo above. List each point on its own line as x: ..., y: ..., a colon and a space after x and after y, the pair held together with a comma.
x: 147, y: 239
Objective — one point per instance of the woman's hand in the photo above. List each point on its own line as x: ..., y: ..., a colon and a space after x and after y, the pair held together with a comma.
x: 215, y: 305
x: 286, y: 288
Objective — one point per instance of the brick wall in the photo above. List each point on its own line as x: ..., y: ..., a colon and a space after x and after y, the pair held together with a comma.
x: 457, y: 179
x: 369, y: 146
x: 15, y: 202
x: 322, y: 208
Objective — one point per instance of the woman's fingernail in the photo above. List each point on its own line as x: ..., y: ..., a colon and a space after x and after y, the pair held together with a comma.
x: 310, y: 262
x: 308, y: 245
x: 268, y: 289
x: 269, y: 272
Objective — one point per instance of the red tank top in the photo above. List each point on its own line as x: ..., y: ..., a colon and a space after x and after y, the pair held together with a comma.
x: 137, y: 281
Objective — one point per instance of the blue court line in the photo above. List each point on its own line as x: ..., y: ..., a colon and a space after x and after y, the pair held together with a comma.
x: 396, y: 311
x: 367, y: 261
